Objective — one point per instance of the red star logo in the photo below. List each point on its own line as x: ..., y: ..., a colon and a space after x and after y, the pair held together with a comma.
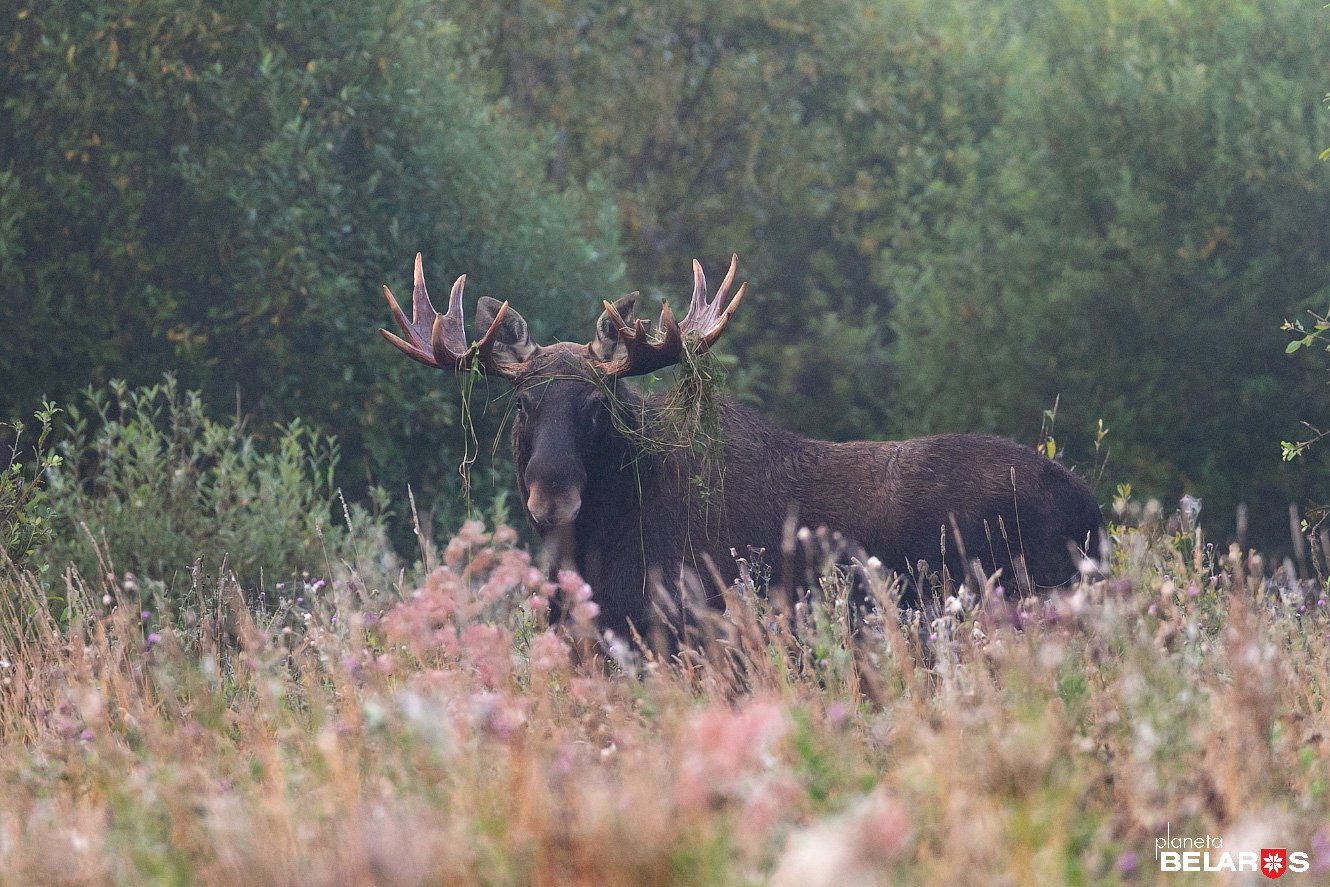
x: 1274, y: 862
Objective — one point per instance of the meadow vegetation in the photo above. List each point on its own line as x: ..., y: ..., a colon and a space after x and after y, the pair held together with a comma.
x: 340, y: 717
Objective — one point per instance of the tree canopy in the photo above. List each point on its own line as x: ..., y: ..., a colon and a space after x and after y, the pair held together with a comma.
x: 957, y: 215
x: 220, y: 189
x: 953, y: 215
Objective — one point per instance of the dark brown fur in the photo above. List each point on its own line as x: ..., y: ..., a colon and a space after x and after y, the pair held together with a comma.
x: 642, y: 515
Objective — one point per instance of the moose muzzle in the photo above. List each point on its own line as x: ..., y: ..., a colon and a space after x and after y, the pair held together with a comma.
x: 551, y: 509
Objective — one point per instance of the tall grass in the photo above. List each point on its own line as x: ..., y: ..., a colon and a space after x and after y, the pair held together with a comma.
x: 350, y: 721
x: 445, y: 734
x: 148, y: 487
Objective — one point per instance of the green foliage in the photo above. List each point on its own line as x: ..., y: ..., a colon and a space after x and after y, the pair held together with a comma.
x: 25, y: 507
x: 1147, y: 199
x: 149, y: 484
x: 1309, y: 334
x: 220, y: 188
x: 954, y: 213
x: 720, y: 127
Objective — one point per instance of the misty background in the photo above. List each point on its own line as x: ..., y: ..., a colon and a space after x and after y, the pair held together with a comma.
x: 954, y: 216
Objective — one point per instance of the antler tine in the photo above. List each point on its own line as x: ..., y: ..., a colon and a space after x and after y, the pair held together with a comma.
x: 447, y: 332
x: 404, y: 325
x: 640, y: 329
x: 619, y: 323
x: 421, y: 306
x: 708, y: 320
x: 698, y: 304
x: 710, y: 336
x: 668, y: 325
x: 729, y: 279
x: 434, y: 339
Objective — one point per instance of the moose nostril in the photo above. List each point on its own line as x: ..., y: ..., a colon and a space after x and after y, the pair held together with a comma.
x: 553, y: 511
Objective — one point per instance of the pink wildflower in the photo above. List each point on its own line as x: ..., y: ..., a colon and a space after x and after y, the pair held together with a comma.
x: 548, y: 653
x: 470, y: 537
x: 777, y: 797
x: 571, y: 584
x: 726, y: 748
x: 488, y: 650
x: 423, y: 622
x: 586, y: 611
x: 850, y: 848
x: 499, y: 715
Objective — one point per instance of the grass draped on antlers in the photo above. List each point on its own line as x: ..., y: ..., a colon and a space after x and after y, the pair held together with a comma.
x: 685, y: 418
x: 468, y: 378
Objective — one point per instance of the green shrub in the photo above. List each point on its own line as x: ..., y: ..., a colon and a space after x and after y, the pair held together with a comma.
x: 218, y: 189
x: 151, y: 485
x: 1313, y: 333
x: 1145, y: 206
x: 25, y: 508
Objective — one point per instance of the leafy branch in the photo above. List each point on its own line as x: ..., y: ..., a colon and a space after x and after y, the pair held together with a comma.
x: 1309, y: 334
x: 25, y: 514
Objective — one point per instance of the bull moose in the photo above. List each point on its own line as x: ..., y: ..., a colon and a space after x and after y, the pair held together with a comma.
x: 632, y: 519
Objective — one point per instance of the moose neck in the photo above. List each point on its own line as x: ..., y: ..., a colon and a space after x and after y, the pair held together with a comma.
x: 627, y: 494
x: 638, y: 506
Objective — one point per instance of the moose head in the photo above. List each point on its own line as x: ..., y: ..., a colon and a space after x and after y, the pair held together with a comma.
x: 563, y: 389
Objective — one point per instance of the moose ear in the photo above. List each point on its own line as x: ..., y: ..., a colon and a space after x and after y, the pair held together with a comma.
x: 607, y: 331
x: 513, y: 342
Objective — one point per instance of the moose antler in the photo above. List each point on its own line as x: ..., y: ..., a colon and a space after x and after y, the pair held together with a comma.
x: 705, y: 320
x: 434, y: 339
x: 439, y: 340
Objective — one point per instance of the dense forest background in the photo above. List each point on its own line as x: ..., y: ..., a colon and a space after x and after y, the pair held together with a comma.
x: 954, y: 215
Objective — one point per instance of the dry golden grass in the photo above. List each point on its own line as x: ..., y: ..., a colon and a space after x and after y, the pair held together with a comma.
x: 442, y: 734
